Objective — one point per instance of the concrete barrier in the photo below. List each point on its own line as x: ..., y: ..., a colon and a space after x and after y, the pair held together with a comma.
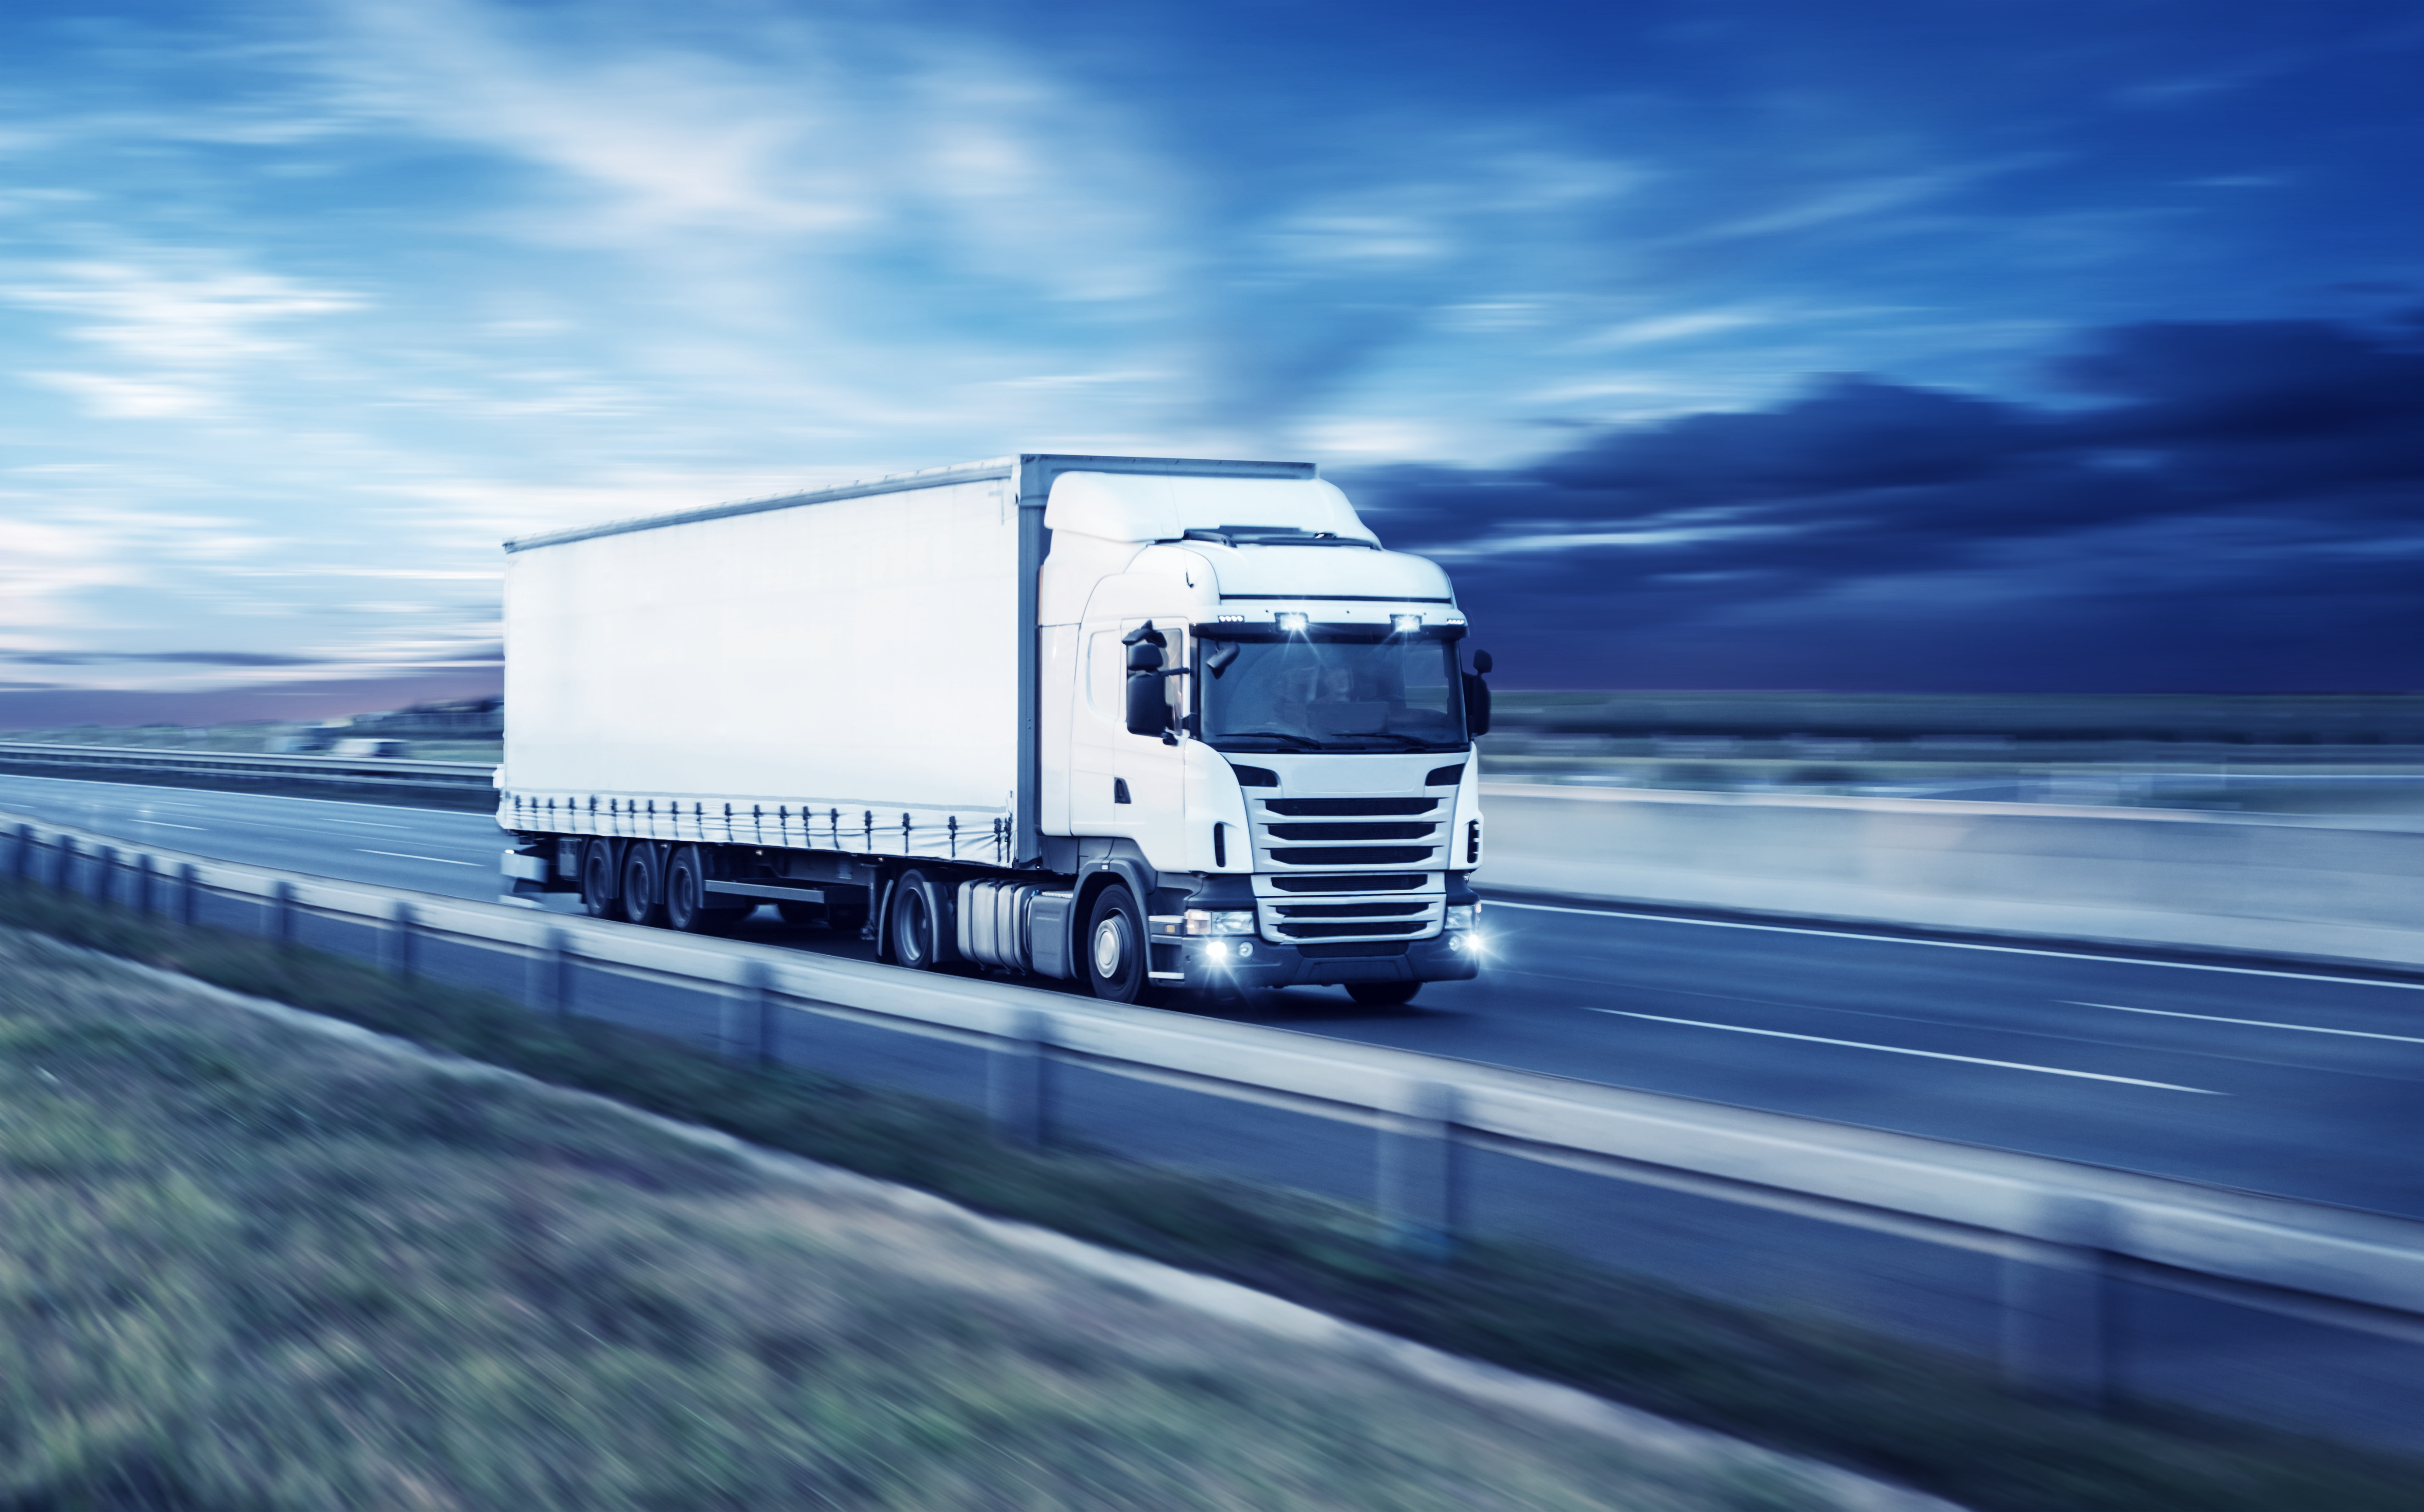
x: 2313, y: 888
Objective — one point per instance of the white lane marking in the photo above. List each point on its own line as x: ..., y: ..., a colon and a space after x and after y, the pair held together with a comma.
x: 162, y: 823
x: 1898, y: 1050
x: 365, y: 824
x: 2250, y: 1023
x: 1954, y: 944
x: 404, y: 857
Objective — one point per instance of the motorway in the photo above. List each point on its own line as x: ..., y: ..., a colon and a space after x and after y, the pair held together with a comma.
x: 2305, y: 1084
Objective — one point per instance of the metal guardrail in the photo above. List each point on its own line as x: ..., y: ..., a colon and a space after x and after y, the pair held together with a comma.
x: 381, y: 771
x: 2062, y: 1231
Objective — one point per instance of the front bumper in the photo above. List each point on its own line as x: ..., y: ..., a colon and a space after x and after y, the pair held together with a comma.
x: 1217, y: 960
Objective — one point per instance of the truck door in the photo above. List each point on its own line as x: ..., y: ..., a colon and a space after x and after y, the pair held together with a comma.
x: 1122, y: 783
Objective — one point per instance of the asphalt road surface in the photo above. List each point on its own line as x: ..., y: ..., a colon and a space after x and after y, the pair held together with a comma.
x: 2305, y: 1084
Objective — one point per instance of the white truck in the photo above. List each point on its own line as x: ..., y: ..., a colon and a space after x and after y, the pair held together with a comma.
x: 1158, y: 723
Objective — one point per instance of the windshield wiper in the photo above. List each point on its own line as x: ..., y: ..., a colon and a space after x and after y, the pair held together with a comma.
x: 1300, y: 743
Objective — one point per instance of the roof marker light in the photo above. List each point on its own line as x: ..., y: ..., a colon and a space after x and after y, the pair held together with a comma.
x: 1293, y: 623
x: 1405, y: 624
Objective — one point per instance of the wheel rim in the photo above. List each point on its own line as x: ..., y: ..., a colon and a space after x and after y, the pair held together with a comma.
x: 1111, y: 947
x: 912, y: 943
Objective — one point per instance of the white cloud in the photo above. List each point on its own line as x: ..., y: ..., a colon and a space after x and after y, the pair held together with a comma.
x: 114, y: 398
x: 162, y: 313
x: 1674, y: 328
x: 826, y: 140
x: 44, y: 568
x: 184, y: 323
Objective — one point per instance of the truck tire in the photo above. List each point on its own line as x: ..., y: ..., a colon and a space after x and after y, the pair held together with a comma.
x: 688, y: 906
x: 597, y: 879
x: 643, y: 896
x: 1382, y: 993
x: 1116, y: 959
x: 917, y: 923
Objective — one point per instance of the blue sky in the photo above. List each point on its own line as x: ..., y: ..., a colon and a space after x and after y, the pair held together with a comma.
x: 1636, y: 313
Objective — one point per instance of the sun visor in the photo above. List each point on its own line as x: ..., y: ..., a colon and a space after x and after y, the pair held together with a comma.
x: 1145, y: 506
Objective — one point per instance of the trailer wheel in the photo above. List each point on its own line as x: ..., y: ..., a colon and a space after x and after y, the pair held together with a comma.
x: 1382, y: 993
x: 597, y: 879
x: 688, y: 905
x: 1115, y: 951
x: 644, y: 899
x: 917, y: 922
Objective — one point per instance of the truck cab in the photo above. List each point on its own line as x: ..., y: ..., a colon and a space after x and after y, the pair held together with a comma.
x: 1264, y: 713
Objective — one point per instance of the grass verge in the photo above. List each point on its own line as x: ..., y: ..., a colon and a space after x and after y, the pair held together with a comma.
x: 1935, y: 1421
x: 248, y: 1268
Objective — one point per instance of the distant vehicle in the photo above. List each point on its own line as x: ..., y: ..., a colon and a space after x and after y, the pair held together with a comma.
x: 359, y: 745
x: 1152, y: 723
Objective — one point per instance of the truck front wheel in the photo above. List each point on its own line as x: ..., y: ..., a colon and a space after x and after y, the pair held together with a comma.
x: 1115, y: 951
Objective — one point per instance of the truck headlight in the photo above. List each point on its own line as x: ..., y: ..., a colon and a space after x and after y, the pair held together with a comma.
x: 1219, y: 921
x: 1463, y: 915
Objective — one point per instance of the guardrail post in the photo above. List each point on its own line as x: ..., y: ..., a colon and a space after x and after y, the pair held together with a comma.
x: 545, y: 983
x: 1017, y: 1078
x: 63, y: 863
x: 105, y: 874
x: 141, y: 901
x: 281, y: 911
x: 189, y: 893
x: 1417, y: 1163
x: 748, y: 1016
x: 21, y: 859
x: 396, y: 941
x: 2055, y: 1303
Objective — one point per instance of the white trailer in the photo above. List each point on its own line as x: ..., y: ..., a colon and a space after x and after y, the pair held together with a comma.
x: 1155, y: 723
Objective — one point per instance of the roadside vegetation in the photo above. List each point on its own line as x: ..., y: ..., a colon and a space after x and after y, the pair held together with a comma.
x: 247, y: 1269
x: 229, y: 1257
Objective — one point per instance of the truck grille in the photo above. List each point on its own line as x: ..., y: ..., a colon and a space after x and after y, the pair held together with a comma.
x: 1341, y: 882
x: 1379, y: 859
x: 1380, y: 918
x: 1334, y: 931
x: 1358, y: 831
x: 1353, y: 832
x: 1348, y: 910
x: 1342, y: 856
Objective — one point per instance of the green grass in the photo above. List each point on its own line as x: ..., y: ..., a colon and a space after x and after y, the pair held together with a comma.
x: 1935, y: 1421
x: 246, y: 1269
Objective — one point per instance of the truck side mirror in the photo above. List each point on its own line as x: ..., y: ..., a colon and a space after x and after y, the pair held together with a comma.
x: 1476, y: 696
x: 1148, y: 706
x: 1144, y: 657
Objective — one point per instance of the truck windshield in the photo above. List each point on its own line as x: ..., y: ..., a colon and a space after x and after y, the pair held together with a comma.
x: 1316, y: 694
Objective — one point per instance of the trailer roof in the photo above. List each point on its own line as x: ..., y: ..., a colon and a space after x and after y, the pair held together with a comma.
x: 1052, y: 464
